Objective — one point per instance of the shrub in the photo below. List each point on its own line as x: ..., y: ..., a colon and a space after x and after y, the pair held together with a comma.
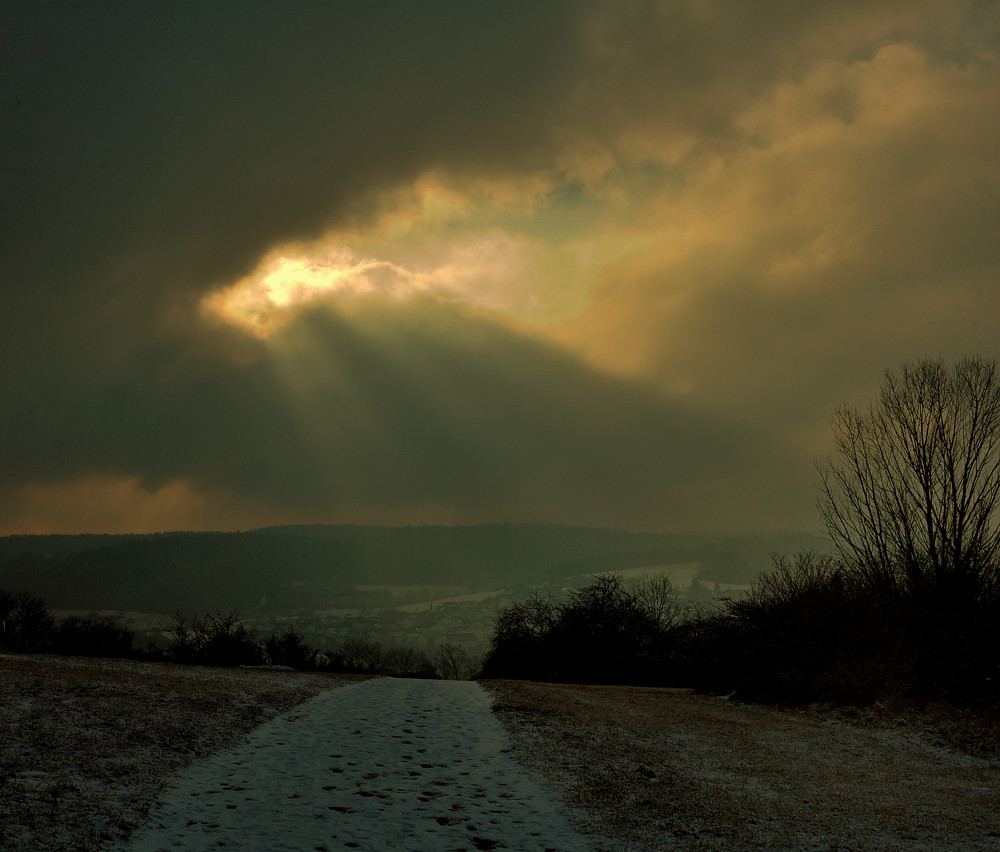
x: 361, y: 656
x: 27, y: 624
x: 289, y: 649
x: 520, y: 645
x: 810, y: 631
x: 215, y: 640
x: 453, y: 662
x: 93, y: 637
x: 602, y: 633
x: 6, y: 605
x: 407, y: 662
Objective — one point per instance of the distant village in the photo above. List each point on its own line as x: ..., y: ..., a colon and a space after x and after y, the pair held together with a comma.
x: 467, y: 623
x: 443, y: 616
x: 463, y: 620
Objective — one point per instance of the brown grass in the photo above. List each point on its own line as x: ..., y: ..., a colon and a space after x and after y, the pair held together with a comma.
x: 86, y: 745
x: 660, y: 768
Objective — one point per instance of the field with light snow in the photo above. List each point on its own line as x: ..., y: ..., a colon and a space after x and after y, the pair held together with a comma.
x: 93, y: 751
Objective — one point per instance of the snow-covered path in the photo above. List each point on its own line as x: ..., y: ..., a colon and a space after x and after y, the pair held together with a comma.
x: 382, y: 764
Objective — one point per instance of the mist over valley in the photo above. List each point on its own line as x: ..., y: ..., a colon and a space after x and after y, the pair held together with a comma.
x: 403, y: 585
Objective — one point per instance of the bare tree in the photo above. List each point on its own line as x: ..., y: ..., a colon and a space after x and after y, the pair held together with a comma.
x: 657, y: 595
x: 401, y: 661
x: 362, y: 655
x: 215, y: 640
x: 27, y: 623
x: 911, y: 500
x: 453, y: 662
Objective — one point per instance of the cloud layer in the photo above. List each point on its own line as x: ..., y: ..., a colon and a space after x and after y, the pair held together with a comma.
x: 604, y: 263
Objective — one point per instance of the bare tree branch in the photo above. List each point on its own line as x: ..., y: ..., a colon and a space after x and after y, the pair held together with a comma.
x: 910, y: 501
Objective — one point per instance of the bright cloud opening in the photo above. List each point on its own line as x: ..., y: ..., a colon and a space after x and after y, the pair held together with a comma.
x: 526, y: 278
x: 521, y: 249
x: 286, y: 280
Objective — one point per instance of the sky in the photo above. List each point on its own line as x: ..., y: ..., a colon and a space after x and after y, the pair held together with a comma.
x: 600, y: 263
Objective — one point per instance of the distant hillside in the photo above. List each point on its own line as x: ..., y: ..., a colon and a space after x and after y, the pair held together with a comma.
x: 318, y: 567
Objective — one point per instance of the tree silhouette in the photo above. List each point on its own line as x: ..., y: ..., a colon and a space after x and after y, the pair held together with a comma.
x: 289, y: 649
x: 453, y: 662
x: 27, y: 623
x: 402, y: 661
x: 657, y: 595
x: 215, y: 640
x: 911, y: 507
x: 911, y: 502
x: 602, y: 633
x: 362, y: 655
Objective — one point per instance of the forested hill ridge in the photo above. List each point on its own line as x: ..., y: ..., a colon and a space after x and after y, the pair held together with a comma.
x: 316, y: 567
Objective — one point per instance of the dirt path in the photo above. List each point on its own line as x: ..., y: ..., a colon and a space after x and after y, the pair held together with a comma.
x: 667, y: 769
x: 384, y: 764
x: 85, y: 746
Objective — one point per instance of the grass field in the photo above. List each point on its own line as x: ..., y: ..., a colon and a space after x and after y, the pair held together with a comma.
x: 87, y: 745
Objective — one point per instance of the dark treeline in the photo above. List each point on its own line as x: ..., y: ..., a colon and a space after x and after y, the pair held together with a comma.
x: 906, y: 607
x: 809, y: 630
x: 224, y: 640
x: 816, y: 630
x: 27, y: 626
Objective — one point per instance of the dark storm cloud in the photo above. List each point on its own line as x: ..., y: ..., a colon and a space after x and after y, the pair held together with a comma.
x: 792, y: 197
x: 404, y: 406
x: 154, y: 151
x: 833, y: 246
x: 153, y: 144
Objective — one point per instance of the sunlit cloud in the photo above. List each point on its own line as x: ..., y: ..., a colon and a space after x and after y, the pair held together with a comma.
x: 848, y: 195
x: 435, y: 241
x: 286, y: 280
x: 740, y: 212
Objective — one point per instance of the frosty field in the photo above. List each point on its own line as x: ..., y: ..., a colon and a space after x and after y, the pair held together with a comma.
x: 254, y: 759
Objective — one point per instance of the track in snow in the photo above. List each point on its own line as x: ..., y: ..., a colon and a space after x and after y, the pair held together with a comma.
x: 383, y: 764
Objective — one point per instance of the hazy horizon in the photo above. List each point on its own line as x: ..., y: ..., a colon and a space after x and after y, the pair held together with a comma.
x: 596, y: 263
x: 720, y: 534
